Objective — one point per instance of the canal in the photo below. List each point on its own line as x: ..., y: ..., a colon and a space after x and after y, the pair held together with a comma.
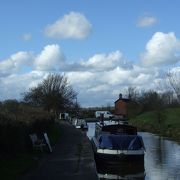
x: 162, y: 160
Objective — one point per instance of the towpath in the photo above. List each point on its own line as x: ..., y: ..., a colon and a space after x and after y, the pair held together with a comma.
x: 72, y: 158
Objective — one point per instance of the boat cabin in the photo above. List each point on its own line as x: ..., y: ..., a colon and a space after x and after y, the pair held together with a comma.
x: 120, y: 129
x: 123, y: 129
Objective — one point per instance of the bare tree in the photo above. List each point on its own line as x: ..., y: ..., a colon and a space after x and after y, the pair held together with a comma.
x: 174, y: 81
x: 151, y: 100
x: 132, y: 93
x: 54, y: 94
x: 167, y: 98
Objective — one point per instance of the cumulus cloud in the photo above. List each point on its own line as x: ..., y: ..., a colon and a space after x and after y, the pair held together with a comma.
x: 15, y: 63
x: 146, y: 21
x: 73, y: 25
x: 50, y: 59
x: 104, y: 62
x: 102, y: 87
x: 99, y: 73
x: 100, y: 62
x: 175, y: 70
x: 79, y: 77
x: 162, y: 49
x: 98, y: 79
x: 14, y: 85
x: 101, y: 77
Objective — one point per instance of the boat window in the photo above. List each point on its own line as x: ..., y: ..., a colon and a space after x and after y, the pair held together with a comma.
x: 120, y: 142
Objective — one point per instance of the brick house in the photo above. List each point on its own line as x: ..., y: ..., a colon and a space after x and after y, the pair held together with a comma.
x: 121, y: 106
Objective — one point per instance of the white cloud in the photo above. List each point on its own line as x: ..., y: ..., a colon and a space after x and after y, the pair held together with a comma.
x: 104, y: 62
x: 175, y: 70
x: 99, y: 62
x: 73, y: 25
x: 116, y: 76
x: 15, y: 63
x: 80, y: 78
x: 14, y: 85
x: 21, y: 58
x: 98, y: 88
x: 146, y: 21
x: 162, y: 49
x: 27, y: 36
x: 98, y: 79
x: 103, y: 87
x: 50, y: 59
x: 141, y: 79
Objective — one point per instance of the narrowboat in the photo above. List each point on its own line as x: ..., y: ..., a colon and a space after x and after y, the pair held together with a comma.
x: 117, y: 142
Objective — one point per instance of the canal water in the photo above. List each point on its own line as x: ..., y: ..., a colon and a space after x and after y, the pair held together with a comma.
x: 162, y: 160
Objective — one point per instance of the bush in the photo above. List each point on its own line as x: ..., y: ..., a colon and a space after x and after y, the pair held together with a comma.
x: 41, y: 123
x: 13, y: 136
x: 14, y: 133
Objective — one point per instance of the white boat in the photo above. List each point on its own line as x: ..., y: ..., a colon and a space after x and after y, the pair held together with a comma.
x: 80, y: 124
x: 117, y: 142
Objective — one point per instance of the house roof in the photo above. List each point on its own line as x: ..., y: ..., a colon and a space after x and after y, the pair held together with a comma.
x: 122, y: 99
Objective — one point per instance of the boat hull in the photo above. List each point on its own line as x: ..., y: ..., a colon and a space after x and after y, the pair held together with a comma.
x: 109, y: 156
x: 84, y: 128
x: 118, y: 158
x: 123, y: 171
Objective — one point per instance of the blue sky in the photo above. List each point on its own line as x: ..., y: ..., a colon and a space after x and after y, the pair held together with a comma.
x: 104, y: 47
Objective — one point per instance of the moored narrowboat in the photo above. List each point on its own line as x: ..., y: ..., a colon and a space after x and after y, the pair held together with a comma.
x: 117, y: 143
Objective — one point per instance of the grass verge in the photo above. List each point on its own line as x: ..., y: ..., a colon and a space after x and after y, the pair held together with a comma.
x: 165, y: 122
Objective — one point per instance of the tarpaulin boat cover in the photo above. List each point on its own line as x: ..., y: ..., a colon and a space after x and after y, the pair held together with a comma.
x: 120, y: 142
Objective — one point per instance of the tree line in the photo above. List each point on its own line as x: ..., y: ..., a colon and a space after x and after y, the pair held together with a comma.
x: 54, y: 94
x: 142, y: 101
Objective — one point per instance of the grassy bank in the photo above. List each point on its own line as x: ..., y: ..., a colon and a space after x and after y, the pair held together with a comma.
x: 164, y: 122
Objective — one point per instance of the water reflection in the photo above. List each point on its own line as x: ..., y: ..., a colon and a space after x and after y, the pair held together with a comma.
x: 162, y: 160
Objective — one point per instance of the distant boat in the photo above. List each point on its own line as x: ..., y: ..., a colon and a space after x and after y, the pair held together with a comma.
x: 116, y: 142
x: 80, y: 124
x: 64, y: 116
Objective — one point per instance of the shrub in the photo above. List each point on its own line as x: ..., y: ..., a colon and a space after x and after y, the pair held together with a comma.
x: 13, y: 136
x: 14, y: 133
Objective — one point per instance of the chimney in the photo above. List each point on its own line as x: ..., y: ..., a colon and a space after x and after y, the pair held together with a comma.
x: 120, y: 96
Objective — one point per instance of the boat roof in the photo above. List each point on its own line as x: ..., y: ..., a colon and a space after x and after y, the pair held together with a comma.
x: 120, y: 128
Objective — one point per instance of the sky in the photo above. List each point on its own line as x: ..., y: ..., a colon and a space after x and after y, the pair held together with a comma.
x: 103, y: 47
